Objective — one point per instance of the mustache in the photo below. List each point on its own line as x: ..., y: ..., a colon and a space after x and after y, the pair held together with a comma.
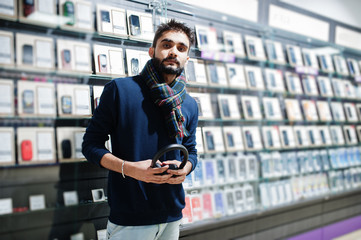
x: 170, y: 58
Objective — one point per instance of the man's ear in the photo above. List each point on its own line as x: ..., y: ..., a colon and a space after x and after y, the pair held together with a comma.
x: 151, y: 52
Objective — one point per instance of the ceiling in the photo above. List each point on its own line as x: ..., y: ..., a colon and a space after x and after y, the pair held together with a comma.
x: 345, y: 11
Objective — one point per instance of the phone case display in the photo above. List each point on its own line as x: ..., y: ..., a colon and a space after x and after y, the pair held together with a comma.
x: 34, y: 51
x: 255, y: 49
x: 236, y: 76
x: 271, y: 137
x: 358, y: 130
x: 337, y: 112
x: 341, y: 66
x: 97, y: 92
x: 196, y: 203
x: 108, y: 60
x: 233, y: 138
x: 69, y: 141
x: 252, y: 167
x: 272, y: 108
x: 231, y: 168
x: 36, y: 99
x: 350, y: 134
x: 230, y: 201
x: 287, y: 136
x: 136, y: 61
x: 309, y: 85
x: 207, y: 202
x: 8, y: 9
x: 7, y: 102
x: 7, y: 148
x: 337, y: 135
x: 254, y: 77
x: 350, y: 111
x: 294, y: 55
x: 196, y: 72
x: 325, y: 135
x: 140, y: 26
x: 301, y: 136
x: 338, y: 88
x: 6, y: 47
x: 220, y: 169
x: 350, y: 90
x: 216, y: 73
x: 326, y: 63
x: 73, y: 100
x: 251, y: 108
x: 219, y: 208
x: 78, y: 15
x: 324, y: 111
x: 358, y: 108
x: 309, y: 110
x: 31, y: 11
x: 35, y: 145
x: 314, y: 137
x: 275, y: 52
x: 309, y: 58
x: 274, y: 80
x: 209, y: 172
x: 293, y: 110
x: 187, y: 211
x: 353, y: 67
x: 213, y: 139
x: 73, y: 56
x: 252, y: 138
x: 204, y: 105
x: 206, y: 38
x: 233, y: 43
x: 111, y: 20
x: 199, y: 140
x: 293, y: 83
x: 228, y: 106
x: 324, y: 85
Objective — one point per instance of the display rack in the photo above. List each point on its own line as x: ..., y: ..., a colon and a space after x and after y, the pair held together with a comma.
x: 328, y: 170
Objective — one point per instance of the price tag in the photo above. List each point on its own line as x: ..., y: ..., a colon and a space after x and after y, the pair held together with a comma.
x: 102, y: 234
x: 98, y: 195
x: 6, y: 206
x: 37, y: 202
x: 70, y: 198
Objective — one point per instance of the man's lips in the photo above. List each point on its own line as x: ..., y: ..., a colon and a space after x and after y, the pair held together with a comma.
x: 174, y: 61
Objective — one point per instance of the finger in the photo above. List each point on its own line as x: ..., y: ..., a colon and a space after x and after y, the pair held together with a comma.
x: 172, y: 162
x: 159, y: 179
x: 159, y: 170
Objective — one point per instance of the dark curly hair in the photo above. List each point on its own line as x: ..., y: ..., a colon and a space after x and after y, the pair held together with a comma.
x: 173, y: 25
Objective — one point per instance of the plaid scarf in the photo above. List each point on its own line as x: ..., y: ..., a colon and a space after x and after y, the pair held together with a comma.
x: 169, y: 98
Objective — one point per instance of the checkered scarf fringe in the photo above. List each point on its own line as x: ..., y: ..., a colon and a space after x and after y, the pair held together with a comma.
x: 169, y: 98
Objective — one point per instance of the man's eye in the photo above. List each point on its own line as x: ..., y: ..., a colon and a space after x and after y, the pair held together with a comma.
x: 181, y: 49
x: 166, y: 45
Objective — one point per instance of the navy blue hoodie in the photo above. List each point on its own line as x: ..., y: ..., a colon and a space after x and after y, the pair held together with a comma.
x: 137, y: 130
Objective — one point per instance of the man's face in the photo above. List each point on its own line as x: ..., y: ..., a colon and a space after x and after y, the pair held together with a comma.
x: 171, y: 52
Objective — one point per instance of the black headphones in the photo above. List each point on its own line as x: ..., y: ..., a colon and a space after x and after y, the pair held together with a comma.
x: 169, y: 148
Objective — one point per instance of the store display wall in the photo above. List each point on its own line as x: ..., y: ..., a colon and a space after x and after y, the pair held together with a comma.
x: 279, y: 121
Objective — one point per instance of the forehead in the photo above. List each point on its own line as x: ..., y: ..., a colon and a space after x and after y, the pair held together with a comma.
x: 175, y: 36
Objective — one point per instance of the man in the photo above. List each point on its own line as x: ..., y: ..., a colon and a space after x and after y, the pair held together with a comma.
x: 143, y: 114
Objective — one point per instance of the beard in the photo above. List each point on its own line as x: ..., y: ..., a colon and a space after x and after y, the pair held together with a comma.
x: 161, y: 68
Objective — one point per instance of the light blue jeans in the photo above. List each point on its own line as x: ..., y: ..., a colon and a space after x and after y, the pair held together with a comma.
x: 164, y: 231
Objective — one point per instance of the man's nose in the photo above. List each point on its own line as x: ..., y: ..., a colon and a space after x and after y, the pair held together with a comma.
x: 173, y: 52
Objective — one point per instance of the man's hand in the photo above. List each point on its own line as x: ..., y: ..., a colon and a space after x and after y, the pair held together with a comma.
x: 178, y: 176
x: 143, y: 172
